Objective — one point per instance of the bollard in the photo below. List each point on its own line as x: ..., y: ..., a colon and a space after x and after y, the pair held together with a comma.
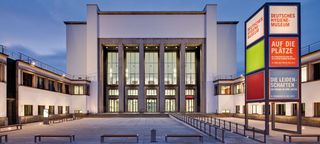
x: 153, y: 135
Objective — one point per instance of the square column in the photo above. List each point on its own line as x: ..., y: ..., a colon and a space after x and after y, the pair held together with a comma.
x: 182, y: 85
x: 161, y: 80
x: 141, y: 103
x: 121, y: 81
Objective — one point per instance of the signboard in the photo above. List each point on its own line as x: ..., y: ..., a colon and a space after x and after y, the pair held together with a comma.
x: 283, y: 52
x: 255, y: 86
x: 284, y: 84
x: 45, y: 113
x: 255, y: 57
x: 283, y: 19
x: 255, y: 27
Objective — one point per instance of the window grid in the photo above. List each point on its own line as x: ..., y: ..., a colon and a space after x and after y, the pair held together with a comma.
x: 151, y: 105
x: 151, y: 68
x: 113, y: 92
x: 27, y: 79
x: 132, y: 105
x: 28, y: 110
x: 170, y: 92
x: 132, y: 68
x: 189, y: 92
x: 78, y: 90
x: 189, y: 105
x: 40, y: 83
x: 170, y: 105
x: 40, y: 109
x: 132, y: 92
x: 151, y: 92
x: 170, y: 68
x: 112, y: 68
x: 114, y: 105
x: 190, y: 68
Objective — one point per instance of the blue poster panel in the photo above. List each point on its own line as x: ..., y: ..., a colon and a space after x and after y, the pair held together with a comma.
x: 284, y: 84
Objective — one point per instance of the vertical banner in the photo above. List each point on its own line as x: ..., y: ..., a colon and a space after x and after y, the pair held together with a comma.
x: 284, y: 52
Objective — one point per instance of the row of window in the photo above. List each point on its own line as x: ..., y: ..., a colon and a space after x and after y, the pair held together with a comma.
x: 150, y: 92
x: 281, y: 109
x: 228, y: 89
x: 151, y: 105
x: 52, y: 85
x: 28, y: 110
x: 151, y: 64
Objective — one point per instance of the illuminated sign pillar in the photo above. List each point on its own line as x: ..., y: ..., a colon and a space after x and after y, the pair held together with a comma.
x: 272, y: 59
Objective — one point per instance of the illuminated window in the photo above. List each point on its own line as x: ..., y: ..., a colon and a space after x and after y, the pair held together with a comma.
x: 304, y: 74
x: 132, y: 105
x: 132, y: 92
x: 225, y: 89
x: 238, y: 88
x: 190, y: 68
x: 170, y: 92
x: 170, y: 105
x: 132, y: 68
x: 113, y: 92
x: 170, y: 68
x: 28, y: 110
x: 151, y: 68
x: 2, y: 72
x: 112, y: 68
x: 151, y: 105
x: 151, y: 92
x: 113, y: 105
x: 189, y: 105
x: 78, y: 90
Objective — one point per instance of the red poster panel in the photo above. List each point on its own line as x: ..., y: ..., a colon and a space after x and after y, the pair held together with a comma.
x: 284, y: 52
x: 255, y: 86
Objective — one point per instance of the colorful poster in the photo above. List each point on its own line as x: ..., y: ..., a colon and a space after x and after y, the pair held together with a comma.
x: 255, y: 86
x: 283, y: 52
x: 284, y: 84
x: 255, y: 27
x: 283, y: 19
x: 255, y: 57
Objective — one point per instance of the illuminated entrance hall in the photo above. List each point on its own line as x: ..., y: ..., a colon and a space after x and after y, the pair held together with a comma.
x: 151, y: 75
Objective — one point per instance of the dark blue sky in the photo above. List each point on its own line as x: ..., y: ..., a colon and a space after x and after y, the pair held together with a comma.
x: 36, y: 28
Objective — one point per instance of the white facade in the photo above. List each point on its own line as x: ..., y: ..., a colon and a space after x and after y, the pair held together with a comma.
x: 83, y: 48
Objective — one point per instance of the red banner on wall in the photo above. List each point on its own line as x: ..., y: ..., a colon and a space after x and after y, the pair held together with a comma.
x: 283, y: 52
x: 255, y: 86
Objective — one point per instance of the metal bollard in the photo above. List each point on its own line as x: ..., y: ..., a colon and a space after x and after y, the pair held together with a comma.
x: 153, y: 135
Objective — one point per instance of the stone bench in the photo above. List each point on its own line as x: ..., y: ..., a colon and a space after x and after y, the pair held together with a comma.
x: 300, y: 135
x: 38, y: 137
x: 184, y: 136
x: 119, y: 136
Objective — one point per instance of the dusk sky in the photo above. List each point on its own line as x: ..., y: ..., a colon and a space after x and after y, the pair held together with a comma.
x: 36, y: 28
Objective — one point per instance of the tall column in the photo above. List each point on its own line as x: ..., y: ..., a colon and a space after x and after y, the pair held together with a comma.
x: 141, y: 103
x: 161, y: 80
x: 182, y: 100
x: 121, y: 83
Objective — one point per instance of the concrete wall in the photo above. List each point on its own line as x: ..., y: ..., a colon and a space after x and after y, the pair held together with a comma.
x: 152, y: 26
x: 35, y: 97
x: 310, y: 92
x: 211, y: 55
x: 76, y: 49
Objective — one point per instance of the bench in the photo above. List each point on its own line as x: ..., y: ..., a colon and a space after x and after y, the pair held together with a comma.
x: 5, y: 138
x: 300, y: 135
x: 17, y: 126
x: 185, y: 136
x: 119, y: 136
x: 38, y: 137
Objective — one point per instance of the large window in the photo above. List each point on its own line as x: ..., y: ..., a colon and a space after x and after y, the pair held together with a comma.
x: 2, y: 72
x: 225, y: 89
x: 304, y: 74
x: 51, y: 110
x: 317, y: 109
x: 190, y: 68
x: 113, y: 105
x: 27, y: 79
x: 170, y: 68
x: 151, y: 68
x: 281, y: 109
x: 40, y: 109
x: 60, y: 109
x: 316, y: 72
x: 295, y: 109
x: 132, y: 105
x: 238, y: 88
x: 67, y: 109
x: 78, y: 90
x: 170, y: 105
x: 51, y: 85
x: 59, y: 87
x: 132, y: 68
x: 189, y: 105
x: 67, y: 89
x: 112, y: 68
x: 40, y: 83
x: 28, y: 110
x: 151, y: 105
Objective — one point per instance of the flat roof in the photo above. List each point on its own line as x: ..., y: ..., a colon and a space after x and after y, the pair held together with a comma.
x: 75, y: 22
x: 151, y: 12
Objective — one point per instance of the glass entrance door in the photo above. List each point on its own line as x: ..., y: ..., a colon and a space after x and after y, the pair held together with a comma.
x: 151, y: 105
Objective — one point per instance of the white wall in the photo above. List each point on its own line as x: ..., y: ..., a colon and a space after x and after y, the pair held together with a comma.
x: 151, y: 26
x: 310, y: 93
x: 35, y: 97
x: 227, y: 49
x: 3, y: 99
x: 76, y: 49
x: 211, y: 53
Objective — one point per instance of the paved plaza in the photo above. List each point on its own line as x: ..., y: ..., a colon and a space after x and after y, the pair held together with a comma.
x: 89, y: 130
x: 277, y: 137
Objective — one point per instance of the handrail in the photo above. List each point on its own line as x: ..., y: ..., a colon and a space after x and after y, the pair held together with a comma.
x: 32, y: 61
x: 310, y: 48
x: 233, y: 127
x: 203, y: 126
